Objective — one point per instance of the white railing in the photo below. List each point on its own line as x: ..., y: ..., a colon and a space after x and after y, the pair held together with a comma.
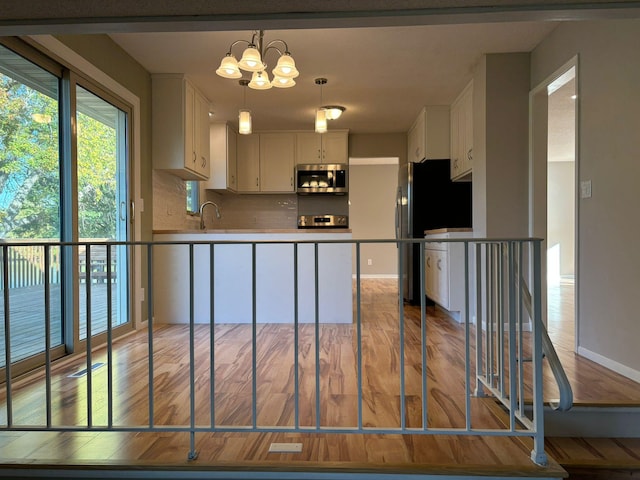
x: 501, y: 357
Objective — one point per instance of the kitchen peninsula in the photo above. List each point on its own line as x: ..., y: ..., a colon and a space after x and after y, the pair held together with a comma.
x: 233, y: 276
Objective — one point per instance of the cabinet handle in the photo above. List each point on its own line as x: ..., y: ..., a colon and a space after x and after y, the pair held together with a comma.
x: 291, y: 181
x: 195, y: 157
x: 439, y: 264
x: 429, y: 262
x: 257, y: 184
x: 470, y: 154
x: 319, y: 154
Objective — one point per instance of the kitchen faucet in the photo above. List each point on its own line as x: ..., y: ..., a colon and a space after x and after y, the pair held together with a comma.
x: 218, y: 216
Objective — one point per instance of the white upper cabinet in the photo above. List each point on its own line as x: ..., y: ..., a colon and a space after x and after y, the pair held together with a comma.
x: 277, y: 159
x: 428, y: 137
x: 329, y: 147
x: 248, y: 163
x: 462, y: 135
x: 223, y: 142
x: 180, y: 127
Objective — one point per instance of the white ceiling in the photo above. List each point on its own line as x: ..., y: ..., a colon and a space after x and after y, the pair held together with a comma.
x: 382, y: 75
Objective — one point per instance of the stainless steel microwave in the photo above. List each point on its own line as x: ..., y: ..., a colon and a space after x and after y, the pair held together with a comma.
x: 322, y: 178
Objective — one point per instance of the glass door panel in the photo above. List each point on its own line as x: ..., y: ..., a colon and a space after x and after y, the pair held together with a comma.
x: 102, y: 163
x: 30, y: 196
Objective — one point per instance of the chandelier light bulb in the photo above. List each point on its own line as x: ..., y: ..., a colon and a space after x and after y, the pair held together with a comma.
x: 229, y: 67
x: 260, y: 81
x: 282, y: 82
x: 286, y: 67
x: 251, y: 60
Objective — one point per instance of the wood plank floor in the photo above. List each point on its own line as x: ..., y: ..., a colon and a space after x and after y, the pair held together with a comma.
x: 275, y: 386
x: 27, y: 317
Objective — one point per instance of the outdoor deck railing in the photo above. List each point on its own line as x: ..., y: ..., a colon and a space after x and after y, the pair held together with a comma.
x: 503, y: 351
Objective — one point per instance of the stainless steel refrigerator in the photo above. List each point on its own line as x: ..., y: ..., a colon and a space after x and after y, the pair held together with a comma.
x: 427, y: 199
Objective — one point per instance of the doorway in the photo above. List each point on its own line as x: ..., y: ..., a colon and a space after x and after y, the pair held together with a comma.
x: 553, y: 200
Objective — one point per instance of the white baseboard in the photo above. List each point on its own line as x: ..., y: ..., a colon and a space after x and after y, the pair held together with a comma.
x: 377, y: 275
x: 610, y: 364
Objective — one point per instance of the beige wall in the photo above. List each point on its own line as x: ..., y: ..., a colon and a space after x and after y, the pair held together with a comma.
x: 372, y: 197
x: 608, y: 99
x: 501, y: 132
x: 102, y: 52
x: 560, y: 218
x: 372, y: 145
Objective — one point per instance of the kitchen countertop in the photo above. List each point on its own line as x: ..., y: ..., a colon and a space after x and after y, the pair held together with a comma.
x: 256, y: 230
x: 438, y: 231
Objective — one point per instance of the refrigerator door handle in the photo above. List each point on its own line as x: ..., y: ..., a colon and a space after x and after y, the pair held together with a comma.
x: 398, y: 213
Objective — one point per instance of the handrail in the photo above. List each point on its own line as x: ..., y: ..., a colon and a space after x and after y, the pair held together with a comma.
x: 566, y: 393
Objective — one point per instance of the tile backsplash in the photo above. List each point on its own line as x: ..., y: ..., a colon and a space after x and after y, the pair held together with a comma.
x: 238, y: 210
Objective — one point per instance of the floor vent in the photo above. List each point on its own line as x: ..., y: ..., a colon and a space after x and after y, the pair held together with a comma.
x: 83, y: 372
x: 285, y: 448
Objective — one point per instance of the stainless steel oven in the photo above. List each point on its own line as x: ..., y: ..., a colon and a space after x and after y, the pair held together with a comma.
x: 322, y: 178
x: 323, y: 221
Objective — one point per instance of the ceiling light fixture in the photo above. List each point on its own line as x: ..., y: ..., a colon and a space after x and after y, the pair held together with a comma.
x: 244, y: 115
x: 252, y: 60
x: 326, y: 112
x: 333, y: 112
x: 321, y: 115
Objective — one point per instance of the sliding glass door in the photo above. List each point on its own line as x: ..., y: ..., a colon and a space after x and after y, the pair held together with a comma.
x: 103, y: 209
x: 29, y: 207
x: 64, y: 176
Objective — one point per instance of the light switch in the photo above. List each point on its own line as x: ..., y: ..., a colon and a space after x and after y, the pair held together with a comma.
x: 585, y: 189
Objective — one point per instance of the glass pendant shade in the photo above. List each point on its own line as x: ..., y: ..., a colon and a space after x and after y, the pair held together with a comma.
x: 282, y: 82
x: 333, y: 112
x: 260, y: 81
x: 244, y: 122
x: 251, y: 60
x: 229, y: 67
x: 286, y: 67
x: 321, y: 121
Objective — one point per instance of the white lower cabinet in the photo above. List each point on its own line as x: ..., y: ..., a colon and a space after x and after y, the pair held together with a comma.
x: 444, y: 273
x: 233, y: 279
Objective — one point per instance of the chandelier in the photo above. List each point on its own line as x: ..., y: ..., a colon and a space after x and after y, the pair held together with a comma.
x: 252, y: 60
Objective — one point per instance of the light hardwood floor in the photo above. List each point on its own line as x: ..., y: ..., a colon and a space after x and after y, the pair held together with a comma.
x: 275, y: 387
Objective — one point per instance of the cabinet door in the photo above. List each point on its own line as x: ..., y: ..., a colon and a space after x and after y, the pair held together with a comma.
x: 441, y: 271
x: 248, y: 163
x: 468, y: 130
x: 455, y: 139
x: 429, y: 283
x: 190, y: 156
x: 201, y: 128
x: 232, y: 159
x: 308, y: 148
x: 335, y: 147
x: 277, y: 156
x: 417, y: 139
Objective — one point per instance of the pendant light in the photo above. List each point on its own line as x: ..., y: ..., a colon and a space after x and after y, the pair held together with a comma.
x: 244, y: 116
x: 321, y: 117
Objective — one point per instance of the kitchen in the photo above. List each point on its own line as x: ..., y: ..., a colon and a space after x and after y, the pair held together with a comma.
x: 250, y: 200
x: 167, y: 184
